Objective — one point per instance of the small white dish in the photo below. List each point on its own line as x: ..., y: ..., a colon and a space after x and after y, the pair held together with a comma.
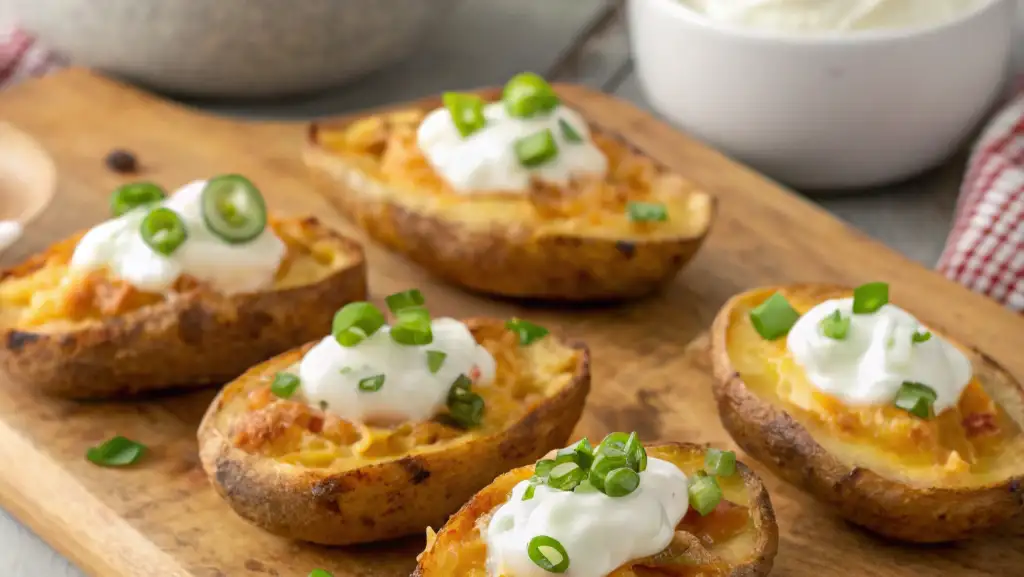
x: 841, y: 111
x: 28, y: 182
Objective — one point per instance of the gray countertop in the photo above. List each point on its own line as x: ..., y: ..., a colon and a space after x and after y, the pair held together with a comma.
x: 485, y: 42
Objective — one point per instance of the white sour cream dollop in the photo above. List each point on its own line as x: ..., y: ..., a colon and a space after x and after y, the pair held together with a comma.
x: 817, y: 16
x: 330, y: 373
x: 10, y: 232
x: 598, y: 532
x: 229, y: 268
x: 877, y: 356
x: 486, y: 160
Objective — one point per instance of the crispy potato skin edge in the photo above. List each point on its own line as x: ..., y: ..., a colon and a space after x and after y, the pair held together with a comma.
x: 887, y: 507
x: 766, y: 546
x: 194, y: 340
x: 502, y: 260
x: 388, y: 499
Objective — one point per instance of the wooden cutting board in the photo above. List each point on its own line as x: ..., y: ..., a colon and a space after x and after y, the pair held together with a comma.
x: 650, y: 368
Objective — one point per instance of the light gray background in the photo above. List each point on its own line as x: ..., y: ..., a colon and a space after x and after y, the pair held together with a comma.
x: 484, y: 42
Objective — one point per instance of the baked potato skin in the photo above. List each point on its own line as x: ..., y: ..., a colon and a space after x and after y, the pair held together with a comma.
x: 196, y: 339
x: 888, y: 507
x: 387, y: 499
x: 464, y: 521
x: 504, y: 259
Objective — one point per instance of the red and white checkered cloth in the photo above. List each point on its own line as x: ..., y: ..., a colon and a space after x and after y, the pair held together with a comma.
x: 984, y: 251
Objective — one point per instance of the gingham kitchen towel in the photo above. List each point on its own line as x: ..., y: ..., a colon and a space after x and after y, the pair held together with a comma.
x: 984, y: 251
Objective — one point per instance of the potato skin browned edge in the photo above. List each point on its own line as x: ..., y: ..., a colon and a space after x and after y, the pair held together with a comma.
x: 765, y: 548
x: 388, y: 499
x: 192, y: 340
x: 887, y: 507
x: 502, y: 260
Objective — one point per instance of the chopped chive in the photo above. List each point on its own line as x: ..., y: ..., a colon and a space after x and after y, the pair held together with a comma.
x: 435, y: 359
x: 543, y: 467
x: 636, y: 455
x: 320, y: 573
x: 528, y: 493
x: 412, y: 327
x: 284, y: 385
x: 467, y: 410
x: 870, y: 297
x: 615, y: 440
x: 585, y: 487
x: 527, y: 331
x: 565, y: 476
x: 355, y: 322
x: 917, y: 399
x: 460, y: 388
x: 548, y: 554
x: 835, y: 326
x: 345, y: 370
x: 536, y: 149
x: 705, y: 494
x: 404, y: 300
x: 466, y: 110
x: 774, y: 317
x: 528, y: 94
x: 921, y: 337
x: 116, y: 452
x: 371, y: 384
x: 568, y: 132
x: 604, y: 463
x: 720, y: 463
x: 579, y: 452
x: 646, y: 212
x: 621, y: 482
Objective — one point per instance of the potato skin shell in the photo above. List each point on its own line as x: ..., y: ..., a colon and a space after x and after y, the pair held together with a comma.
x: 196, y: 339
x: 388, y: 499
x: 502, y: 260
x: 890, y: 508
x: 760, y: 564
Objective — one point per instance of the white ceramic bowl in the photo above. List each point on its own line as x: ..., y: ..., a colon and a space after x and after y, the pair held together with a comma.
x: 833, y: 112
x: 236, y: 48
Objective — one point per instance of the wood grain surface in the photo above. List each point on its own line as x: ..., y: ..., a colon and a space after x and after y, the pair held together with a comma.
x: 650, y: 366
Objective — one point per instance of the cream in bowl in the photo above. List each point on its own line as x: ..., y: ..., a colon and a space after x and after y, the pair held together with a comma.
x: 825, y: 94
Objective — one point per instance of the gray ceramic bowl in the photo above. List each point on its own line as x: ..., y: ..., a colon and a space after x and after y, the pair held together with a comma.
x: 232, y: 48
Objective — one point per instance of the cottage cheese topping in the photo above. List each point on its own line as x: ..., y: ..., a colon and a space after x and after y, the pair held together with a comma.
x: 598, y: 532
x: 486, y: 160
x: 330, y: 373
x: 817, y: 16
x: 230, y: 268
x: 877, y: 356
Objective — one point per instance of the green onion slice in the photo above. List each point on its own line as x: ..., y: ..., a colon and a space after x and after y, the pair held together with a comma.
x: 163, y: 231
x: 528, y: 493
x: 604, y: 463
x: 116, y: 452
x: 371, y: 384
x: 536, y: 149
x: 636, y: 455
x: 134, y: 195
x: 233, y: 208
x: 774, y: 317
x: 460, y: 387
x: 565, y: 476
x: 870, y: 297
x: 412, y: 327
x: 320, y: 573
x: 284, y: 385
x: 548, y: 554
x: 921, y: 337
x: 646, y: 212
x: 435, y: 359
x: 917, y: 399
x: 467, y: 410
x: 466, y: 110
x: 579, y: 452
x: 613, y: 441
x: 568, y: 132
x: 621, y: 482
x: 527, y: 95
x: 585, y: 486
x: 720, y: 463
x: 527, y: 331
x: 705, y: 494
x: 835, y: 326
x: 543, y: 467
x: 404, y: 300
x: 355, y: 322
